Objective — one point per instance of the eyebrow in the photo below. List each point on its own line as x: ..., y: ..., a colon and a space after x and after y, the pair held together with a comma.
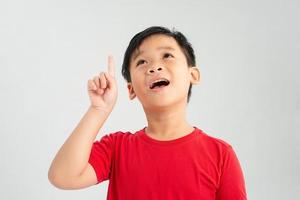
x: 158, y: 48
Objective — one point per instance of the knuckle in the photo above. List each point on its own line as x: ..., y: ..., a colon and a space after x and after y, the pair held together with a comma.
x: 103, y: 78
x: 96, y: 78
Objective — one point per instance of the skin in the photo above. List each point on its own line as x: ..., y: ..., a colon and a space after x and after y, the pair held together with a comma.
x: 165, y: 110
x: 70, y: 169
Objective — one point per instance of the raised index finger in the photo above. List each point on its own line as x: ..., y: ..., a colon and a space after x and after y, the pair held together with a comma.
x: 111, y: 66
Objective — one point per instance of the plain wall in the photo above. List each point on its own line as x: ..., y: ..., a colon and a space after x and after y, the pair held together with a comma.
x: 247, y: 52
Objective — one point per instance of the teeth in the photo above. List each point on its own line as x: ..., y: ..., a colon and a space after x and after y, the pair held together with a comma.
x: 162, y: 79
x: 158, y: 80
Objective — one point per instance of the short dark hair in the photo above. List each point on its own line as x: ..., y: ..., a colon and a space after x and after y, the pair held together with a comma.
x: 137, y: 40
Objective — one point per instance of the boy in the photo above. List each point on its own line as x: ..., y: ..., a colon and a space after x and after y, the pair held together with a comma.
x: 169, y: 158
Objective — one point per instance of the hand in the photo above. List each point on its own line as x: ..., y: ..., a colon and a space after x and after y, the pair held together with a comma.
x: 102, y: 88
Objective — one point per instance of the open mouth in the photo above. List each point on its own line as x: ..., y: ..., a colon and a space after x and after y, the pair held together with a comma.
x: 159, y: 83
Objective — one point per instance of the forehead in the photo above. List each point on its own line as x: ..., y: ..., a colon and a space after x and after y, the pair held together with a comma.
x: 156, y: 42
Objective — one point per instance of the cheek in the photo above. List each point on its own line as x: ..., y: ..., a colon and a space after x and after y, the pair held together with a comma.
x: 138, y: 83
x: 182, y: 71
x: 183, y: 78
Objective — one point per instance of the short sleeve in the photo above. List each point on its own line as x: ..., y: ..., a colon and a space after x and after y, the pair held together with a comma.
x: 101, y: 157
x: 232, y: 183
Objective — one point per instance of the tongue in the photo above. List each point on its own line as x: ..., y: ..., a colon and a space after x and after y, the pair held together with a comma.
x: 158, y: 86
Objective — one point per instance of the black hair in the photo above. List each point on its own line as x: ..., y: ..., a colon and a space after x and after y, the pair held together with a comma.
x: 137, y: 40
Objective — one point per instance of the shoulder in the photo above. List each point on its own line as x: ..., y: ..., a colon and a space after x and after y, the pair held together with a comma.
x: 118, y: 136
x: 214, y: 143
x: 217, y: 149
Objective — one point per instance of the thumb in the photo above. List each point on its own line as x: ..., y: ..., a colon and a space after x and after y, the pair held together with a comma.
x: 111, y: 66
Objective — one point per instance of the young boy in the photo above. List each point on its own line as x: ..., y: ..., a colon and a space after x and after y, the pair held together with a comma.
x: 168, y: 159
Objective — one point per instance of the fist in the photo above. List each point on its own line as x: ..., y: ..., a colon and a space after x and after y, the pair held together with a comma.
x: 102, y: 88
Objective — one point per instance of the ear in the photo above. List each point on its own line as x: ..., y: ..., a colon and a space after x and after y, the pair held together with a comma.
x: 131, y: 92
x: 195, y: 75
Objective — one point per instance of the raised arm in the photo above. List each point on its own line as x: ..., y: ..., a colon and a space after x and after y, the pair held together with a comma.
x: 70, y: 168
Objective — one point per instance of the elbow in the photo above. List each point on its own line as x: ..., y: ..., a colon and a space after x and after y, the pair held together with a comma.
x: 55, y: 180
x: 61, y: 182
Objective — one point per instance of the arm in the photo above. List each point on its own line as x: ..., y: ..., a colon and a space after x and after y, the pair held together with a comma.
x: 232, y: 183
x: 72, y: 158
x: 70, y: 168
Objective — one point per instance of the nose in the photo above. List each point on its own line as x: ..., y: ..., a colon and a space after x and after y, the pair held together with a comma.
x: 154, y: 69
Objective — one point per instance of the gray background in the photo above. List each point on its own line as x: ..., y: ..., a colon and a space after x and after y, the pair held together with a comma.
x: 247, y: 51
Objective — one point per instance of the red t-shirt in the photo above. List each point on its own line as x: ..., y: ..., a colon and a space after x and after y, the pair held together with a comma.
x: 195, y: 166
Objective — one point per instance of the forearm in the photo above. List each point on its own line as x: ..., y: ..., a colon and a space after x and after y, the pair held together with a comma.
x: 72, y: 158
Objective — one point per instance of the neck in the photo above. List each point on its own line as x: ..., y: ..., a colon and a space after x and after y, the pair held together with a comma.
x: 167, y: 123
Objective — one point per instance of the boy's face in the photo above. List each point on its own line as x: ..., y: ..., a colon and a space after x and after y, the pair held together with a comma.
x: 160, y: 58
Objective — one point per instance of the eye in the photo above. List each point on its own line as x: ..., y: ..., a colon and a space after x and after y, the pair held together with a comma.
x: 140, y: 62
x: 167, y: 55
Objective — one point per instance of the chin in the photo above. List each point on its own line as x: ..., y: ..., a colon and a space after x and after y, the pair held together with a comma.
x: 161, y: 103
